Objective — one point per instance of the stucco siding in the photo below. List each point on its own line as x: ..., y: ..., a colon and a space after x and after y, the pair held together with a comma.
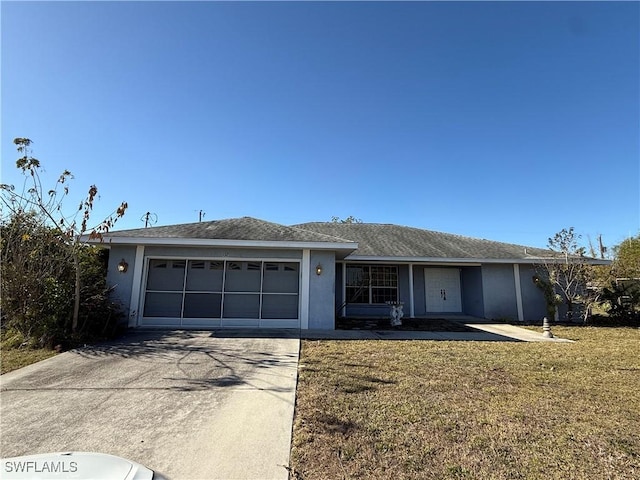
x: 338, y: 290
x: 418, y: 291
x: 322, y: 290
x: 121, y: 282
x: 499, y: 292
x: 533, y: 305
x: 403, y: 287
x: 376, y: 310
x: 472, y: 297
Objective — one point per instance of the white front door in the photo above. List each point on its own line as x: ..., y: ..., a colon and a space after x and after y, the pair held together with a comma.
x: 442, y: 289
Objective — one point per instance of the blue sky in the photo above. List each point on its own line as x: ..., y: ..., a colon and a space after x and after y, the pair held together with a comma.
x: 499, y: 120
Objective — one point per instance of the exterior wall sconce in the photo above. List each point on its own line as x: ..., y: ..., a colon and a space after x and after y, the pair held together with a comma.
x: 123, y: 266
x: 318, y: 269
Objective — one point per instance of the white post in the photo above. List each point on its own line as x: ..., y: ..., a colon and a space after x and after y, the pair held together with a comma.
x: 412, y: 312
x: 516, y: 276
x: 343, y: 312
x: 305, y: 271
x: 135, y: 304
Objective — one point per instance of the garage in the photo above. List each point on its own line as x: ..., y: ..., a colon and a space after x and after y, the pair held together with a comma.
x: 182, y: 292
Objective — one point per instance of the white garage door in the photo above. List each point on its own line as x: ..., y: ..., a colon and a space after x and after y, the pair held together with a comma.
x: 442, y: 289
x: 221, y: 293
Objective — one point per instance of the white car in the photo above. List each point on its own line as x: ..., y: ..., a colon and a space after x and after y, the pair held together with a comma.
x: 74, y: 465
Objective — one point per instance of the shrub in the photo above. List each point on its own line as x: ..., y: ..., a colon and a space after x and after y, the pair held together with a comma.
x: 37, y: 281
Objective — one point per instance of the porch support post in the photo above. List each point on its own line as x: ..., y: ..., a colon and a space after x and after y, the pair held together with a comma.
x: 412, y: 309
x: 305, y: 288
x: 135, y: 304
x: 516, y: 276
x: 343, y: 311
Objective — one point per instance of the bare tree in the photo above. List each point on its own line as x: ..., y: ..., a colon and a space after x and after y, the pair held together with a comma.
x: 44, y: 209
x: 567, y: 271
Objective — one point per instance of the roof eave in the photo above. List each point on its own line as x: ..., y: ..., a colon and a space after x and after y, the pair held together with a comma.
x: 212, y: 242
x: 445, y: 260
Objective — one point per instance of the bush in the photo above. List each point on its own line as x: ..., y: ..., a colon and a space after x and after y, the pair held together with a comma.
x: 99, y: 315
x: 622, y: 302
x: 48, y: 277
x: 38, y: 280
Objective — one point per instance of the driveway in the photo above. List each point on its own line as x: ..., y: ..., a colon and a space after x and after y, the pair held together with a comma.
x: 190, y: 405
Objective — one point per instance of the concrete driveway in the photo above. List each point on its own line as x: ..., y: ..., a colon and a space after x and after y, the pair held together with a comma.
x: 190, y: 405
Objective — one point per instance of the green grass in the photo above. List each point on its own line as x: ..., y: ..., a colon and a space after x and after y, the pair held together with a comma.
x: 467, y: 410
x: 13, y: 357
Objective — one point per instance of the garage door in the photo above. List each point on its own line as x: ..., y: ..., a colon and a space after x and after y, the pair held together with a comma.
x: 442, y: 288
x: 221, y: 293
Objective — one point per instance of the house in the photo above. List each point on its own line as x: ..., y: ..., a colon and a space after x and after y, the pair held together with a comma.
x: 246, y: 272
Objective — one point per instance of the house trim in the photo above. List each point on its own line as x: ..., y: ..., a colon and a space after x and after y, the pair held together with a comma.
x: 136, y: 286
x: 516, y: 277
x: 343, y: 311
x: 207, y: 242
x: 467, y: 262
x: 412, y: 309
x: 305, y: 284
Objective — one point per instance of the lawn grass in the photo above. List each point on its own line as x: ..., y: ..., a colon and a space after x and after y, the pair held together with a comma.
x: 470, y: 410
x: 14, y: 357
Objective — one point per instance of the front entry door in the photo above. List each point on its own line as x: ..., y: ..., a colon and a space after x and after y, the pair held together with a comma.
x: 442, y: 289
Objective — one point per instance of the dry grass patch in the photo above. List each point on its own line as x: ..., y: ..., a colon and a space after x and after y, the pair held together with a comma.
x: 458, y: 410
x: 13, y: 356
x: 17, y: 358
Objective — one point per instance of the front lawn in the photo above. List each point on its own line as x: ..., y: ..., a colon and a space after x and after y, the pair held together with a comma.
x: 470, y: 410
x: 13, y: 357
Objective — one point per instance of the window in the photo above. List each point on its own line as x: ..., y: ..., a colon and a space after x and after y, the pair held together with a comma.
x: 166, y: 275
x: 202, y: 279
x: 372, y: 283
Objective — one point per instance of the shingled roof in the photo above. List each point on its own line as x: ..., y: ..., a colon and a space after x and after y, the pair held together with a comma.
x: 394, y: 241
x: 366, y: 241
x: 245, y: 228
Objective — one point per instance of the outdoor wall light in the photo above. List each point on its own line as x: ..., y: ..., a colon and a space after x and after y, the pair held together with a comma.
x: 318, y: 269
x: 123, y: 266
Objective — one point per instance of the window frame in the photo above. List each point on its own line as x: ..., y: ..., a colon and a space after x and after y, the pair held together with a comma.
x: 379, y: 278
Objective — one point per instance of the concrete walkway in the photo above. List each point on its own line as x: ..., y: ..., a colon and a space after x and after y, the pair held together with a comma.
x: 483, y: 332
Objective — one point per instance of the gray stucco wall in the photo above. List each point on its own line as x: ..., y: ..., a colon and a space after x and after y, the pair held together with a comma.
x: 472, y: 296
x: 338, y: 289
x: 121, y: 282
x: 403, y: 287
x: 419, y: 299
x: 499, y: 292
x: 322, y: 291
x: 533, y: 304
